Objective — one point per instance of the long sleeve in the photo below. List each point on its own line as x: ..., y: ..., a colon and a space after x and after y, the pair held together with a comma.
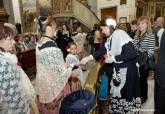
x: 135, y: 41
x: 146, y: 45
x: 52, y: 73
x: 128, y: 53
x: 10, y: 94
x: 159, y: 70
x: 159, y: 34
x: 151, y: 45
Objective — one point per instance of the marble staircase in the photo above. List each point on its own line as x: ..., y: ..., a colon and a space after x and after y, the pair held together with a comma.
x: 77, y: 9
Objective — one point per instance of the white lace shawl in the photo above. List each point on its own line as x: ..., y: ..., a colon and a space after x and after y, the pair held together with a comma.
x: 24, y: 82
x: 26, y: 85
x: 52, y: 73
x: 15, y: 93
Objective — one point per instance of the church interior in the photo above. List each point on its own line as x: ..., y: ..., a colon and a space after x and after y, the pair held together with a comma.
x: 68, y: 61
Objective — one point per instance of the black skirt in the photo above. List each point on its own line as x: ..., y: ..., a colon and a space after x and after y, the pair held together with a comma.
x: 126, y: 93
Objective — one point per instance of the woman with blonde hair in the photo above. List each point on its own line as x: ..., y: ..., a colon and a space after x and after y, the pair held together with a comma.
x: 97, y: 37
x: 144, y: 42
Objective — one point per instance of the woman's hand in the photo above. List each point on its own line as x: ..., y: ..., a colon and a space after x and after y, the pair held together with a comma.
x: 86, y: 59
x: 77, y: 64
x: 109, y: 59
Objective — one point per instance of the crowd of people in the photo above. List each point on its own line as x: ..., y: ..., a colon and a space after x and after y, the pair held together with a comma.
x: 126, y: 50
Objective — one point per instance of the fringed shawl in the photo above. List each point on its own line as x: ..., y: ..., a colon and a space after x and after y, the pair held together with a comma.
x: 52, y: 73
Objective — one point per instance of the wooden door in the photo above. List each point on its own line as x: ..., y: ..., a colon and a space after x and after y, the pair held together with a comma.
x: 106, y: 12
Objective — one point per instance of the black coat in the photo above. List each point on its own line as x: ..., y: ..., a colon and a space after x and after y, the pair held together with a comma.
x: 160, y: 67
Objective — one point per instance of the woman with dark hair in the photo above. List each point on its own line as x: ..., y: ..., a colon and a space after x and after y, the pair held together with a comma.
x: 120, y: 59
x: 66, y: 38
x: 134, y: 27
x: 66, y: 31
x: 97, y: 37
x: 16, y: 91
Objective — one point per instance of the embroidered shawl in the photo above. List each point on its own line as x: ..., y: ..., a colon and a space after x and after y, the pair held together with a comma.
x: 12, y: 98
x: 52, y: 73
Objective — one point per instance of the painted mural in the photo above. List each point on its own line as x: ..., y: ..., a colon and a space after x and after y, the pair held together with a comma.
x: 45, y: 7
x: 28, y: 14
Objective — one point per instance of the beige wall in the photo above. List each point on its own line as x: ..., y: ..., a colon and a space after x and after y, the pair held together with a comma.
x: 126, y: 10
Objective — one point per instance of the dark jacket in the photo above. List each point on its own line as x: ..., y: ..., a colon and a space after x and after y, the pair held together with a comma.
x: 160, y: 67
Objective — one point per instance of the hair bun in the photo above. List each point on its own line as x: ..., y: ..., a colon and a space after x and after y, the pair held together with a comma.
x: 41, y: 21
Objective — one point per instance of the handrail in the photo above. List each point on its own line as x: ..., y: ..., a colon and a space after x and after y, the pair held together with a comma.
x: 89, y: 10
x: 84, y: 14
x: 81, y: 13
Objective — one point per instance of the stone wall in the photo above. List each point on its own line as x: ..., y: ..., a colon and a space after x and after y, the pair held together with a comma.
x: 125, y: 10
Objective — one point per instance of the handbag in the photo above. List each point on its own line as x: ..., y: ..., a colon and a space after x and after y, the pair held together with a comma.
x: 151, y: 63
x: 143, y: 59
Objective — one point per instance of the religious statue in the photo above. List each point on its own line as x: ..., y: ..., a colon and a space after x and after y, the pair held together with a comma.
x: 67, y: 6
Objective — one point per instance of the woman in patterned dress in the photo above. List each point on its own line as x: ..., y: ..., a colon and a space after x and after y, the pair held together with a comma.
x: 54, y: 78
x: 16, y: 90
